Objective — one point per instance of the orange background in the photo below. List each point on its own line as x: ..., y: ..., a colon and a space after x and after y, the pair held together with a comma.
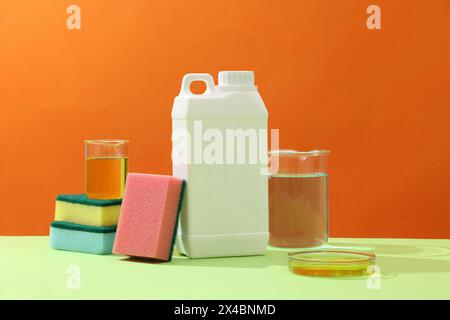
x: 379, y: 99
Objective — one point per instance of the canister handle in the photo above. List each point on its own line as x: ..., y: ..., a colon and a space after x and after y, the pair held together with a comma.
x: 191, y: 77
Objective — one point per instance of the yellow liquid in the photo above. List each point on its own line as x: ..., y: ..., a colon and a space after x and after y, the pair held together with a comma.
x: 332, y: 265
x: 105, y: 177
x: 331, y: 271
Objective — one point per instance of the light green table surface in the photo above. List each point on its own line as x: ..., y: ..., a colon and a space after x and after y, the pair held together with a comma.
x: 411, y: 269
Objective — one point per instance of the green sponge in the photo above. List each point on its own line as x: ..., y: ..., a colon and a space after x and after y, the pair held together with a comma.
x: 81, y: 227
x: 81, y: 238
x: 79, y: 209
x: 83, y: 199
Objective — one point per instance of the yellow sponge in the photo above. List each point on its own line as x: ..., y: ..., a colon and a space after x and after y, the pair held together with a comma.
x: 77, y: 208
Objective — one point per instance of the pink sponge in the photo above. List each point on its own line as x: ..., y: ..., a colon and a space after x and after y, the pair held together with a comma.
x: 148, y: 217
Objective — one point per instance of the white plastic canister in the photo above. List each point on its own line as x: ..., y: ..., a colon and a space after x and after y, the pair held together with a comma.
x: 219, y: 146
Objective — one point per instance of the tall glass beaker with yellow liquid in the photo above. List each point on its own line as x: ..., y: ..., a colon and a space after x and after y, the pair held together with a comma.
x: 106, y: 168
x: 298, y: 199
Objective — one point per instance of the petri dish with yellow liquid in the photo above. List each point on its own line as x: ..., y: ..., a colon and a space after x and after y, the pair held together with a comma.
x: 331, y: 263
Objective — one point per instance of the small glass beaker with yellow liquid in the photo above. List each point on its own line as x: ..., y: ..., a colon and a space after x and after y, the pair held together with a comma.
x: 106, y: 168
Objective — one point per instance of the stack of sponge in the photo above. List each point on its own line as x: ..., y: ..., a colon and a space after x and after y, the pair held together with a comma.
x: 146, y: 227
x: 84, y: 225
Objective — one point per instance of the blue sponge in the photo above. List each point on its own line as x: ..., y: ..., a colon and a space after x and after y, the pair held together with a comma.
x: 80, y: 238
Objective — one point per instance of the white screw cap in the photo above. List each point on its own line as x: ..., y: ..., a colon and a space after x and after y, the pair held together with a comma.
x: 236, y: 79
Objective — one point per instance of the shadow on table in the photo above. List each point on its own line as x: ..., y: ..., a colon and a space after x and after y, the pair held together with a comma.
x: 391, y: 259
x: 272, y: 257
x: 142, y: 260
x: 399, y: 259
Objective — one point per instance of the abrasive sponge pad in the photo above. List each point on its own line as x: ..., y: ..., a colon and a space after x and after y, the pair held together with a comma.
x: 80, y: 238
x: 78, y: 208
x: 149, y: 215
